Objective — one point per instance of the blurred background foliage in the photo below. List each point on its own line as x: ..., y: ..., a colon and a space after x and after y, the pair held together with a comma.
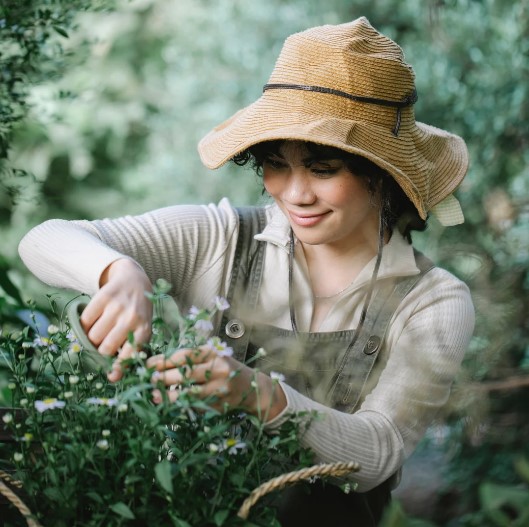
x: 103, y: 103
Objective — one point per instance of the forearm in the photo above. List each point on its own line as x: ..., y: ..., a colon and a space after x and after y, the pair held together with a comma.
x: 365, y: 437
x: 180, y: 244
x: 63, y: 254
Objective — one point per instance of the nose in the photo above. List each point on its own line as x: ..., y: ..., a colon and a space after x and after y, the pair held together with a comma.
x: 298, y: 189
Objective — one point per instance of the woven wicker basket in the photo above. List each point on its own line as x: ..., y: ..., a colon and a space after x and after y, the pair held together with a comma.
x: 10, y: 488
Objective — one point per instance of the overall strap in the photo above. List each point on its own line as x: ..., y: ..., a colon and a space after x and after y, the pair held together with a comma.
x: 246, y: 274
x: 351, y: 377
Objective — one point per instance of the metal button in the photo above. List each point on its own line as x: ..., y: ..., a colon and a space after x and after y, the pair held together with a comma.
x: 372, y: 345
x: 235, y: 328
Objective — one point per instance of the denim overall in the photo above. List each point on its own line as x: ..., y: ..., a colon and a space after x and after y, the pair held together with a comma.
x: 340, y: 377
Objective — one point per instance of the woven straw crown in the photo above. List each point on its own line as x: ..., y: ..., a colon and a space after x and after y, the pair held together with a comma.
x: 348, y: 86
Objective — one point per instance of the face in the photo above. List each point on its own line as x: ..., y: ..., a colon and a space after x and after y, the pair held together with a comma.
x: 325, y: 203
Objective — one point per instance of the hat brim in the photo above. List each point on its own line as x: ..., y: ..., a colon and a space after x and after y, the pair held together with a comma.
x: 428, y: 163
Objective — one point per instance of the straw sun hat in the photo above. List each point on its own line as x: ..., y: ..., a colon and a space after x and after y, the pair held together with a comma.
x: 348, y: 86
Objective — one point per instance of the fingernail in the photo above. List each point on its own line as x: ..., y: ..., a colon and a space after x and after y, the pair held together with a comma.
x: 155, y: 377
x: 156, y: 396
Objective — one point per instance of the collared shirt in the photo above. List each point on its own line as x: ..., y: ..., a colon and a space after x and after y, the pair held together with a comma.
x: 192, y: 247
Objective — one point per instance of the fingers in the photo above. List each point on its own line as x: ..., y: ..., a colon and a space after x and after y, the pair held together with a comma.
x: 180, y: 358
x: 203, y: 373
x: 118, y: 309
x: 107, y: 329
x: 211, y: 378
x: 120, y: 302
x: 118, y: 336
x: 172, y: 395
x: 218, y: 391
x: 111, y: 330
x: 92, y: 312
x: 127, y: 351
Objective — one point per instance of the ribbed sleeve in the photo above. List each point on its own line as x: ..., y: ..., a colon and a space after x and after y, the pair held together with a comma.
x: 180, y: 244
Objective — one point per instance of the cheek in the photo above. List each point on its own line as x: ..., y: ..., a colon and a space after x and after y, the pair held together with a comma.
x: 272, y: 183
x: 339, y: 194
x: 347, y: 194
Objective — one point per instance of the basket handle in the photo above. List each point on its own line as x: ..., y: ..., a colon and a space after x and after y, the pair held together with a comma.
x: 6, y: 491
x: 330, y: 469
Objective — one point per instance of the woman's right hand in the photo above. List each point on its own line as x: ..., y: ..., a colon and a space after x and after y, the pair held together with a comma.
x: 119, y: 308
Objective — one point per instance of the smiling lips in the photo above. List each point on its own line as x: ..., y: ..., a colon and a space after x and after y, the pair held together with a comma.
x: 306, y: 220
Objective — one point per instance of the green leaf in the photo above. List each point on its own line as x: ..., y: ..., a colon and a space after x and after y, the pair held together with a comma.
x: 95, y: 497
x: 494, y: 498
x: 237, y: 479
x: 5, y: 359
x: 123, y: 510
x: 147, y: 415
x: 6, y: 284
x: 54, y: 494
x: 522, y: 467
x: 221, y: 516
x: 61, y: 31
x: 163, y: 473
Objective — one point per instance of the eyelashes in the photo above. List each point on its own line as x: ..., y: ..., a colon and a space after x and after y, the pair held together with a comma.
x: 318, y: 168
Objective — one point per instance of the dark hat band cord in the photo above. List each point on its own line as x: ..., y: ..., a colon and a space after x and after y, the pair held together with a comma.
x: 409, y: 100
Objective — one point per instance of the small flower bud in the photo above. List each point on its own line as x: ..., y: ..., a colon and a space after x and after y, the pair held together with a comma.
x: 52, y: 329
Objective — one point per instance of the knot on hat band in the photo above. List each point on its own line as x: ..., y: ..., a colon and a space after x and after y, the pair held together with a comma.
x: 409, y: 100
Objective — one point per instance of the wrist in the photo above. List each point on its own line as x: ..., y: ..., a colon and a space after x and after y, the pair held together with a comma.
x: 121, y: 266
x: 271, y: 397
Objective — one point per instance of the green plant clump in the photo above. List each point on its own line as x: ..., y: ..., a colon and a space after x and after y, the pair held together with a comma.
x: 93, y: 453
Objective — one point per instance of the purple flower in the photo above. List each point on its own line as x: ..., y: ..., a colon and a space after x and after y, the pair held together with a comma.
x: 193, y: 313
x: 48, y: 404
x: 203, y: 327
x: 221, y: 303
x: 233, y: 446
x: 44, y: 342
x: 219, y: 347
x: 102, y: 401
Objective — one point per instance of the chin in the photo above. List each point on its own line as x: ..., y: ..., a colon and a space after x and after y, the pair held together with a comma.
x: 310, y: 238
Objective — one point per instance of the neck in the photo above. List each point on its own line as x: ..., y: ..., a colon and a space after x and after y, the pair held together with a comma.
x: 332, y: 269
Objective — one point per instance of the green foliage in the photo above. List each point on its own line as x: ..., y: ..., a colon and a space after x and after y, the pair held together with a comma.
x: 394, y: 516
x: 32, y: 36
x: 502, y: 505
x: 92, y: 453
x: 29, y: 53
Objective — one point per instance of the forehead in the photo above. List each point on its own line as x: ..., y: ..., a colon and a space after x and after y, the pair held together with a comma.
x: 293, y: 150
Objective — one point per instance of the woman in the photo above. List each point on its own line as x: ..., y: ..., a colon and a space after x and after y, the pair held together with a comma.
x: 364, y: 330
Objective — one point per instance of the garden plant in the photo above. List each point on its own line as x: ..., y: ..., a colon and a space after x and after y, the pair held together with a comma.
x: 92, y: 453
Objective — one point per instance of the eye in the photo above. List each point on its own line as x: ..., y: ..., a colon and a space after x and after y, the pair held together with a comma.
x: 274, y: 163
x: 324, y: 169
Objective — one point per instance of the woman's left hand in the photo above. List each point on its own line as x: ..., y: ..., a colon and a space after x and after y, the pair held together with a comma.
x: 227, y: 381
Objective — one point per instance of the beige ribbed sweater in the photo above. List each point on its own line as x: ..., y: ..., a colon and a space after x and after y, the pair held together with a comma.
x: 192, y: 248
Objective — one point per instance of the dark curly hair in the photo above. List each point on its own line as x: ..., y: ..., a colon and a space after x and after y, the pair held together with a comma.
x: 397, y: 209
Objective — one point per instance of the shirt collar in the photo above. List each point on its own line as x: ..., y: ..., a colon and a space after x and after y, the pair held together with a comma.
x: 277, y: 230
